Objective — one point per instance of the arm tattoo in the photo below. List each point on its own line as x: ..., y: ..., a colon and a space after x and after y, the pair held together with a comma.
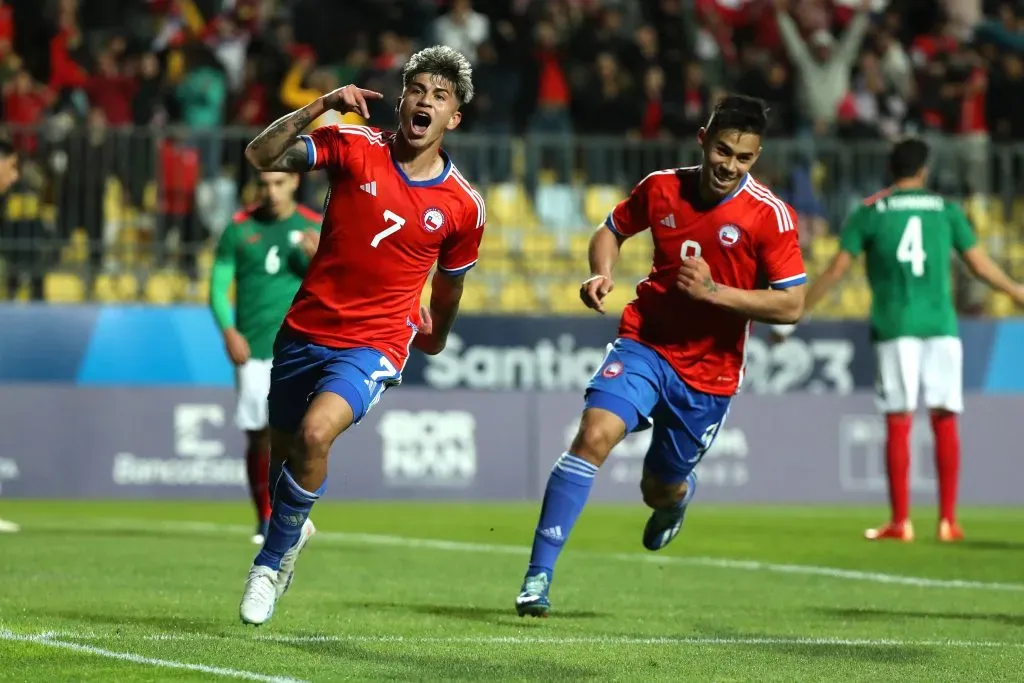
x: 294, y: 160
x: 273, y: 143
x: 711, y: 285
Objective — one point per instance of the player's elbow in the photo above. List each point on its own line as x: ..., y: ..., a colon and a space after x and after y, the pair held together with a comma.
x: 255, y: 156
x: 792, y: 309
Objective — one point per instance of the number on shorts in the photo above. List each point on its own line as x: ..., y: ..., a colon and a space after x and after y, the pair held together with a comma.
x: 690, y: 249
x: 395, y: 223
x: 272, y: 263
x: 387, y: 370
x: 911, y: 247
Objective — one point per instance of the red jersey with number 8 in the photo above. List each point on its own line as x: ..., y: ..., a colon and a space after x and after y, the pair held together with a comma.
x: 747, y: 239
x: 382, y: 233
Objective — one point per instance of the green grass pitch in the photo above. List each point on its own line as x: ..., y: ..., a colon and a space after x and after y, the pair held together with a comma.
x: 143, y: 591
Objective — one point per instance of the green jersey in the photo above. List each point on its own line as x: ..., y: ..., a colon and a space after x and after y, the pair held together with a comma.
x: 908, y: 238
x: 267, y: 265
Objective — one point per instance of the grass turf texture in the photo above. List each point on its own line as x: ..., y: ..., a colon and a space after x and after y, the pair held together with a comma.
x: 144, y: 591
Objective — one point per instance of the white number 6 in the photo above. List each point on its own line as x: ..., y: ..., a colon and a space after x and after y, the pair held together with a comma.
x: 396, y: 223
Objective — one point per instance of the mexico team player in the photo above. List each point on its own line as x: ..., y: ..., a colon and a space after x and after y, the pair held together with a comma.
x: 265, y: 252
x: 396, y: 207
x: 907, y: 235
x: 679, y: 355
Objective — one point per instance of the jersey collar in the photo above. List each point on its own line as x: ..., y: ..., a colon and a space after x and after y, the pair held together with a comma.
x: 433, y: 182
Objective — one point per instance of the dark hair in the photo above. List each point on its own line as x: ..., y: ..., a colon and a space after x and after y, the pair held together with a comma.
x: 739, y: 112
x: 907, y: 158
x: 6, y: 148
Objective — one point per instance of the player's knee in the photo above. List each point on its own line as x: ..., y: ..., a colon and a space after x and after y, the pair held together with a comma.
x: 316, y: 434
x: 596, y: 438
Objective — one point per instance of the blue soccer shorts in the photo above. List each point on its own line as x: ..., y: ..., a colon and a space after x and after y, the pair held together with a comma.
x: 302, y: 370
x: 639, y: 386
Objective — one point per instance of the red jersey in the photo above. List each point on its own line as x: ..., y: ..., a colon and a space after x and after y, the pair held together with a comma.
x: 382, y: 233
x: 744, y: 238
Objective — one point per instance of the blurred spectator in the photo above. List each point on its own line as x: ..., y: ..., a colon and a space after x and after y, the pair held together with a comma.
x: 688, y: 103
x: 178, y: 180
x: 873, y: 107
x: 201, y: 95
x: 822, y: 67
x: 25, y: 101
x: 462, y: 29
x: 111, y: 91
x: 148, y: 102
x: 1006, y: 98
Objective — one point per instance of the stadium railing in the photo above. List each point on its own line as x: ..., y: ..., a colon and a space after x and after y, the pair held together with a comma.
x: 113, y: 215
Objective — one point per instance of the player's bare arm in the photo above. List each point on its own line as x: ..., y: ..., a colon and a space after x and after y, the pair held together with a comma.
x: 776, y: 306
x: 278, y: 148
x: 439, y: 318
x: 835, y: 272
x: 603, y: 254
x: 989, y: 271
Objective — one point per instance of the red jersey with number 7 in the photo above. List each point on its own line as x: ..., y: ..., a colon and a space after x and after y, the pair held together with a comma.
x: 747, y: 239
x: 382, y: 234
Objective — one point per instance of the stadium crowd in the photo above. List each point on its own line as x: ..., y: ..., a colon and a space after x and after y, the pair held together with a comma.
x: 149, y: 90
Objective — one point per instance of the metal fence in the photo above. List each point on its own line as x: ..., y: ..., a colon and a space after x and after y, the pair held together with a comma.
x: 132, y: 214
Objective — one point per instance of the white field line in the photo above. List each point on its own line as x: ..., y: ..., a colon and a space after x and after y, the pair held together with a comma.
x: 157, y: 526
x: 567, y: 640
x: 52, y: 639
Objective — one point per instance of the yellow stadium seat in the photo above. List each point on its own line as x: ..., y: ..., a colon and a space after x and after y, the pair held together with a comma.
x: 564, y: 298
x: 199, y: 290
x: 63, y: 288
x: 164, y: 288
x: 999, y: 305
x: 77, y: 249
x: 508, y: 205
x: 115, y: 288
x: 624, y: 292
x: 599, y: 200
x: 579, y: 246
x: 824, y: 248
x: 517, y: 296
x: 475, y: 297
x: 540, y: 253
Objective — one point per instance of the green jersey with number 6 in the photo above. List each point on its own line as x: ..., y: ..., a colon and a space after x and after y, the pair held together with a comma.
x: 908, y: 238
x: 267, y: 263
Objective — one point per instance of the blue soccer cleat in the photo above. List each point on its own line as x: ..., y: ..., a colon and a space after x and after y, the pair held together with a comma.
x: 533, y: 596
x: 664, y: 525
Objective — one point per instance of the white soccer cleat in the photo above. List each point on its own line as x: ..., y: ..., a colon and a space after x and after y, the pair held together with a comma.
x: 8, y: 527
x: 287, y: 573
x: 259, y: 597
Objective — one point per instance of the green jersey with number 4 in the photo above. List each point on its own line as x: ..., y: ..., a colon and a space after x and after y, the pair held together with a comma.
x: 908, y: 238
x: 267, y: 263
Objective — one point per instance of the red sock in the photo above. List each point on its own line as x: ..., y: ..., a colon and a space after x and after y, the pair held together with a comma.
x: 897, y: 456
x: 257, y: 462
x: 947, y: 461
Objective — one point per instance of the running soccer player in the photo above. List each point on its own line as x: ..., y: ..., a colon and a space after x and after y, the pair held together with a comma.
x: 265, y: 252
x: 907, y: 235
x: 678, y: 358
x: 397, y: 206
x: 9, y: 174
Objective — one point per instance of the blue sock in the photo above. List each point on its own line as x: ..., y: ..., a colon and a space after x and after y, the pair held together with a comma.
x: 566, y: 494
x: 291, y: 508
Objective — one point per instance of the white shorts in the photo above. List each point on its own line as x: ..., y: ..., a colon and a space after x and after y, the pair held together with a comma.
x: 253, y: 389
x: 908, y: 363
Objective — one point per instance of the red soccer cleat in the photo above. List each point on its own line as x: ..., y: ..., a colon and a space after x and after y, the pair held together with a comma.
x: 902, y: 531
x: 950, y: 531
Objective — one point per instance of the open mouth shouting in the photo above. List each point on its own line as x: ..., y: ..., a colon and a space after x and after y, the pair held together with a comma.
x: 420, y: 124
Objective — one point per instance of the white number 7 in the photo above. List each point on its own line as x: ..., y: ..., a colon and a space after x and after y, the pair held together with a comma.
x: 396, y: 224
x: 388, y: 370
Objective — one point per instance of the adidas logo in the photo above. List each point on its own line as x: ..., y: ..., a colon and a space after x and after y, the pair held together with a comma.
x: 371, y: 188
x: 669, y: 221
x: 554, y: 533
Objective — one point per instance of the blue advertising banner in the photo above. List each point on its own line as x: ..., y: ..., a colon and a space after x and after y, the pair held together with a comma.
x: 119, y: 346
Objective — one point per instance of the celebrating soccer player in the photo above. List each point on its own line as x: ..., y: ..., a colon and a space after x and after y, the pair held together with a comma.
x: 265, y: 251
x: 678, y: 358
x: 907, y: 235
x: 396, y: 207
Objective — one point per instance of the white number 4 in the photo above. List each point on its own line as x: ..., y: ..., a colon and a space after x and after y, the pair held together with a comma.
x: 911, y: 247
x: 395, y: 223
